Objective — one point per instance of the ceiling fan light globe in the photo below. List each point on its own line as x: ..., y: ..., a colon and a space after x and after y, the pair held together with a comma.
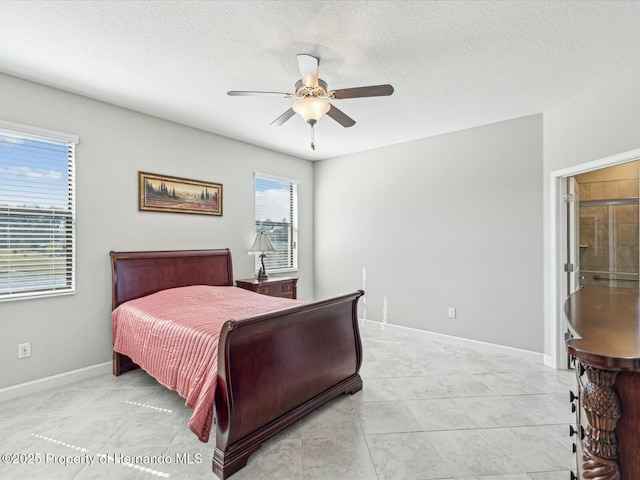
x: 311, y: 109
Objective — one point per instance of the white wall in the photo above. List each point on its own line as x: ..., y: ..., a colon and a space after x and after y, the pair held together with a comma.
x: 593, y: 125
x: 447, y: 221
x: 73, y: 332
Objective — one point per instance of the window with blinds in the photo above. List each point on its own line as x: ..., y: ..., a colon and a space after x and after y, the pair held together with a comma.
x: 37, y: 213
x: 276, y: 201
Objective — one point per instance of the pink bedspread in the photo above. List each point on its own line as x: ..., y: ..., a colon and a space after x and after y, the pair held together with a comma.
x: 173, y: 335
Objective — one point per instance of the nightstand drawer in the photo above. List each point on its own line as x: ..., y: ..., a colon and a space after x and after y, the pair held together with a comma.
x: 288, y: 289
x: 267, y: 290
x: 274, y: 287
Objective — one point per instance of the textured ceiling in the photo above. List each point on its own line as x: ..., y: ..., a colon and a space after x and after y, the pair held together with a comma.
x: 454, y: 64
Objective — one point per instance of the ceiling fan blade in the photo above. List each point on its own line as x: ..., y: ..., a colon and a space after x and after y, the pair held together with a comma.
x: 282, y: 118
x: 372, y: 91
x: 341, y: 117
x: 235, y: 93
x: 308, y: 66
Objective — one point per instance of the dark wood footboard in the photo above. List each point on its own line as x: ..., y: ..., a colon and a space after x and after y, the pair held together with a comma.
x: 274, y: 369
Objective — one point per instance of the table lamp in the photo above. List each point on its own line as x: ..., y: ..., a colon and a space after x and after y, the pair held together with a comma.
x: 260, y: 245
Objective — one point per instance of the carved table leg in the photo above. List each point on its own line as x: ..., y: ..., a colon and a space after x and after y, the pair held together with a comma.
x: 602, y: 409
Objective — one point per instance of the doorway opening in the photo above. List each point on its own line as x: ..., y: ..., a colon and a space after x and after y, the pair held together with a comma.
x: 594, y: 231
x: 607, y: 236
x: 602, y: 229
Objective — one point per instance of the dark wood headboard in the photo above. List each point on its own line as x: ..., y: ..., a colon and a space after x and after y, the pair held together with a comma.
x: 136, y: 274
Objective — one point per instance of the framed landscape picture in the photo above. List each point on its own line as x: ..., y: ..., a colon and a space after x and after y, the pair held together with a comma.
x: 179, y: 195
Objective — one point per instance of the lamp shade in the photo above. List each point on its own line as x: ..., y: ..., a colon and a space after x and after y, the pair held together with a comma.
x: 311, y: 109
x: 261, y: 244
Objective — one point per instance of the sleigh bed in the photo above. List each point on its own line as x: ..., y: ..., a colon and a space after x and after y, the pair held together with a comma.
x: 272, y: 368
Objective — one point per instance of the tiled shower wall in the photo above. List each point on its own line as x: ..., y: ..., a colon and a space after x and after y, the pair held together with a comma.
x: 609, y: 233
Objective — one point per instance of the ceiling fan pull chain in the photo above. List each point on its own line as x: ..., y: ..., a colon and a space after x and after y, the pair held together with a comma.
x: 313, y: 145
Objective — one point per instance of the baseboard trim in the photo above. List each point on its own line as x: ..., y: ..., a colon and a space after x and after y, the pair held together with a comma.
x: 14, y: 391
x: 484, y: 346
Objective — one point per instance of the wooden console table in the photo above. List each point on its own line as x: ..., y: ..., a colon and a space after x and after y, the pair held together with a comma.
x: 606, y: 325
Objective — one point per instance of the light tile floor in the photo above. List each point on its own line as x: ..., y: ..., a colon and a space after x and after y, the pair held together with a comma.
x: 430, y: 409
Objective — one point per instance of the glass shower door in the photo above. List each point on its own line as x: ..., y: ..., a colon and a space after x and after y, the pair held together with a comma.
x: 608, y: 242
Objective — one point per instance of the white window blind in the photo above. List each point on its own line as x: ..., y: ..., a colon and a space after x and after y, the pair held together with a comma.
x: 37, y: 213
x: 277, y: 215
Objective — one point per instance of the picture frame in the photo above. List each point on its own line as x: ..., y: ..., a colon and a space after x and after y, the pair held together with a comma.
x: 162, y: 193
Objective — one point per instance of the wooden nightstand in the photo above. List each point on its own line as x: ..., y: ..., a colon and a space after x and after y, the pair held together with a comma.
x: 275, y: 286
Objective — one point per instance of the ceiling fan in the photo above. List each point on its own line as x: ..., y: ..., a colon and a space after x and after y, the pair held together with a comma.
x: 312, y: 94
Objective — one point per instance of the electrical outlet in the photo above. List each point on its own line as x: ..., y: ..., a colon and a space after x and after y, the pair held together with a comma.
x: 452, y: 312
x: 24, y: 350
